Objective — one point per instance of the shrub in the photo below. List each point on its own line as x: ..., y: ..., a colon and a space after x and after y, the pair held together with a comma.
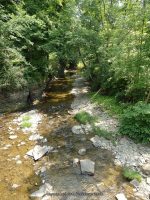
x: 131, y: 174
x: 135, y: 122
x: 84, y: 117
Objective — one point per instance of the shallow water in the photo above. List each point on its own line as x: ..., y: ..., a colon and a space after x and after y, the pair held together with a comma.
x: 56, y: 126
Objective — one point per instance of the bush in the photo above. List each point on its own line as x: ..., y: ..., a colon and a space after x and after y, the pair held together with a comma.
x: 135, y: 122
x: 131, y: 175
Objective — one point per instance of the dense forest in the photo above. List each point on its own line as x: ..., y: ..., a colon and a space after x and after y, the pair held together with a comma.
x: 108, y: 39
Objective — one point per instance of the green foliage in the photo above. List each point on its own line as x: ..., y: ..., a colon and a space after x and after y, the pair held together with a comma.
x: 84, y: 117
x: 108, y: 103
x: 26, y: 124
x: 26, y: 118
x: 103, y: 133
x: 130, y: 174
x: 114, y: 47
x: 135, y: 122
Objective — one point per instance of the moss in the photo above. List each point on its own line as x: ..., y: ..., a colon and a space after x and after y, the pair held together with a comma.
x: 130, y: 174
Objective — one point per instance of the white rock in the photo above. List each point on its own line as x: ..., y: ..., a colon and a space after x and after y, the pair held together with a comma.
x: 18, y: 162
x: 35, y: 137
x: 148, y: 180
x: 12, y: 137
x: 43, y: 169
x: 43, y: 190
x: 87, y: 167
x: 77, y: 130
x: 22, y: 143
x: 82, y: 152
x: 38, y: 151
x: 75, y: 162
x: 121, y: 196
x: 14, y: 186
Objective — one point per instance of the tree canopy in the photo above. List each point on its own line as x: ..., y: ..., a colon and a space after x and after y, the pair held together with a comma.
x: 111, y: 38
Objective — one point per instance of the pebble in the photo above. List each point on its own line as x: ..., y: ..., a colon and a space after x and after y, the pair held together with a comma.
x: 82, y: 152
x: 12, y: 137
x: 14, y: 186
x: 76, y: 162
x: 18, y: 162
x: 121, y: 196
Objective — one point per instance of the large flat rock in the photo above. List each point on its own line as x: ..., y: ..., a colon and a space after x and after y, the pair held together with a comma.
x: 43, y: 190
x: 87, y: 167
x: 39, y: 151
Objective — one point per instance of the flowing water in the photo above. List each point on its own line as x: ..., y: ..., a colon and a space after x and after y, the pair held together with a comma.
x: 56, y: 126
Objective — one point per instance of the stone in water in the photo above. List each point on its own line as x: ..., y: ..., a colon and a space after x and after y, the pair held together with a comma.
x: 87, y: 167
x: 38, y: 151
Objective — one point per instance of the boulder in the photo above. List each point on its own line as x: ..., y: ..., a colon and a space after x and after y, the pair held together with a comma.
x: 87, y: 167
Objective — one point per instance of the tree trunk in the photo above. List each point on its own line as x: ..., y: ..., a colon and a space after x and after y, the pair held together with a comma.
x: 61, y: 71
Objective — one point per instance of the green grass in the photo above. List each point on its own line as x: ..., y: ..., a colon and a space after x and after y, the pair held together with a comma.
x: 108, y: 103
x: 84, y: 117
x: 26, y: 118
x: 103, y: 133
x: 130, y: 174
x: 26, y: 124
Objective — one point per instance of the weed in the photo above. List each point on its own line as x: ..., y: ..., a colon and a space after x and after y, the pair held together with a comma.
x: 26, y: 124
x: 131, y: 174
x: 84, y: 117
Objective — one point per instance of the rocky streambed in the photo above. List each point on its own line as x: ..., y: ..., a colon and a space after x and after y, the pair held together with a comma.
x: 45, y: 154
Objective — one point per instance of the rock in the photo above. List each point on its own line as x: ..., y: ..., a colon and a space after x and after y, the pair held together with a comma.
x: 135, y: 183
x: 101, y: 142
x: 87, y: 167
x: 43, y: 169
x: 18, y: 162
x: 43, y: 190
x: 146, y: 168
x: 38, y: 151
x: 14, y: 186
x: 22, y: 143
x: 82, y: 152
x: 77, y: 130
x: 75, y: 162
x: 12, y: 137
x: 121, y: 196
x: 148, y: 180
x: 35, y: 137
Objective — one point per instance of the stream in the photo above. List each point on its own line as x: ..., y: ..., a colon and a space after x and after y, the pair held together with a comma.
x: 52, y: 119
